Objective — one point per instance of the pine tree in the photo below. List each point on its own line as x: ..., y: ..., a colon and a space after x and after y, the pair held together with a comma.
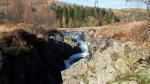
x: 65, y: 16
x: 59, y: 15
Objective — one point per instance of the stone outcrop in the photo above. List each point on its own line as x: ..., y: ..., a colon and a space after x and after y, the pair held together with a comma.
x: 29, y: 59
x: 111, y: 62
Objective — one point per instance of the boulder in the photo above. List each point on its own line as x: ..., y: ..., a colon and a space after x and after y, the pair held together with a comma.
x: 110, y: 60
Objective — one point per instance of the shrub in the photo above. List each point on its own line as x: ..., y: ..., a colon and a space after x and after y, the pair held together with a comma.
x: 13, y: 45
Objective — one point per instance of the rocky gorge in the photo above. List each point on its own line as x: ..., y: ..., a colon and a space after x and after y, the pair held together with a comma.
x: 26, y: 58
x: 112, y: 61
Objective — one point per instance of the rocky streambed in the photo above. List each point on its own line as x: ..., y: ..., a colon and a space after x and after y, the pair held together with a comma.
x: 26, y: 58
x: 111, y: 62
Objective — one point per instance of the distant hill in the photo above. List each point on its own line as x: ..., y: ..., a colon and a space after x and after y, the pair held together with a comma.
x: 126, y: 14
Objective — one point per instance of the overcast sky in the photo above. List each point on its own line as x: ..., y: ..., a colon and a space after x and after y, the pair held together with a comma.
x: 116, y: 4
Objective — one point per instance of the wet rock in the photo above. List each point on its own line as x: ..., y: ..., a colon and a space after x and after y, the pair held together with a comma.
x: 110, y: 58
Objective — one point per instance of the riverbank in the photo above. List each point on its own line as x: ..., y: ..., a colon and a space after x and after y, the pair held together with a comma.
x: 114, y: 55
x: 112, y: 61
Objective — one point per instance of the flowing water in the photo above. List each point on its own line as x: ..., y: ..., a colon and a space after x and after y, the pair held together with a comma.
x: 77, y: 37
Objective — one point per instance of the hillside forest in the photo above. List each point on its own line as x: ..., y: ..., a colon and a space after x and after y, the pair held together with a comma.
x: 63, y: 15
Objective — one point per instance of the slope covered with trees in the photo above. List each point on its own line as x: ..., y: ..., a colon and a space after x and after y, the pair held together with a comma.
x: 54, y: 14
x: 76, y: 16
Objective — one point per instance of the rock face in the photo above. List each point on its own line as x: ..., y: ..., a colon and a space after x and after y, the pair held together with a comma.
x: 26, y: 59
x: 111, y: 62
x: 29, y: 59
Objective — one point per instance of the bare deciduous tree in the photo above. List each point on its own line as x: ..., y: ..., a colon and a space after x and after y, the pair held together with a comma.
x: 17, y: 8
x: 3, y: 10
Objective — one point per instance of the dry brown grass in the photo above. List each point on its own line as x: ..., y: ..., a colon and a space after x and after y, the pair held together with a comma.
x: 13, y: 26
x: 128, y: 11
x: 124, y: 31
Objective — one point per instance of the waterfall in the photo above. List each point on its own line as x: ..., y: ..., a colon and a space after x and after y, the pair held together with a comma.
x: 77, y: 38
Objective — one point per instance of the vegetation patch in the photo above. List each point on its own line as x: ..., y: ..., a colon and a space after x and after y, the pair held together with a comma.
x: 139, y: 78
x: 13, y: 44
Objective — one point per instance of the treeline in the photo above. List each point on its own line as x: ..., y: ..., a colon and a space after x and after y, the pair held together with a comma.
x: 39, y: 12
x: 76, y: 16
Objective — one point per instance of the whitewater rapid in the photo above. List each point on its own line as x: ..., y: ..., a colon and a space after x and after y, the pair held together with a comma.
x: 77, y: 37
